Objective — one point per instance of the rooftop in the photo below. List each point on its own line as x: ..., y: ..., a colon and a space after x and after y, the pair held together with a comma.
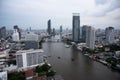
x: 76, y: 14
x: 30, y: 50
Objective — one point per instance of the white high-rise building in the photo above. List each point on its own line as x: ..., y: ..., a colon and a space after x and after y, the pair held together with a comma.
x: 110, y: 35
x: 29, y: 58
x: 90, y: 37
x: 15, y: 35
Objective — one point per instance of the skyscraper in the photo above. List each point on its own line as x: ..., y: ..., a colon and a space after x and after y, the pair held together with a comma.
x: 49, y: 27
x: 76, y: 27
x: 15, y: 35
x: 90, y: 37
x: 110, y: 36
x: 53, y: 32
x: 84, y: 30
x: 18, y: 30
x: 60, y: 29
x: 3, y: 32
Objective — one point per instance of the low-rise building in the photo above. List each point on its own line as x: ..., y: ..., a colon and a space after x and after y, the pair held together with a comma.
x: 3, y: 75
x: 117, y: 54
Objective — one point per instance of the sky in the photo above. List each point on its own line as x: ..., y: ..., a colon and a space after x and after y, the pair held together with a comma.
x: 36, y: 13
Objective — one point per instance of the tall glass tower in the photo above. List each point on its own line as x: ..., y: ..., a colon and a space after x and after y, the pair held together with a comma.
x: 49, y: 27
x: 76, y: 27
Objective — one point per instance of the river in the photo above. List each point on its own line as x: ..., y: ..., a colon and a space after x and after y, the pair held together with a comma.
x: 81, y: 68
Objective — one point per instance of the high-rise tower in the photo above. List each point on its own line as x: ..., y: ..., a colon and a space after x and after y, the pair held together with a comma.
x: 84, y: 30
x: 110, y: 35
x: 76, y: 27
x: 3, y: 32
x: 49, y: 27
x: 90, y: 37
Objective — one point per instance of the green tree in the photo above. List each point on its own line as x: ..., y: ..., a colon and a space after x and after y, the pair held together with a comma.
x: 51, y: 73
x: 112, y: 61
x: 12, y: 62
x: 16, y: 76
x: 113, y: 47
x: 40, y: 44
x: 43, y: 73
x: 45, y: 69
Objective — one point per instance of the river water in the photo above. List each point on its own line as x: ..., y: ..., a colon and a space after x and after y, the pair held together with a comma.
x: 81, y: 68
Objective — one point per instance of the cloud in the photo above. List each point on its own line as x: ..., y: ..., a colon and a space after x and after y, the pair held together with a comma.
x: 114, y: 15
x: 110, y: 19
x: 103, y: 7
x: 99, y: 2
x: 36, y: 12
x: 114, y: 5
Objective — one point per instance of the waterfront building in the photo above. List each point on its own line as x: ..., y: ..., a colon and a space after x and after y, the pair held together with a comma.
x: 31, y: 45
x: 49, y: 27
x: 29, y: 58
x: 29, y: 36
x: 90, y: 37
x: 76, y: 27
x: 30, y: 39
x: 84, y: 31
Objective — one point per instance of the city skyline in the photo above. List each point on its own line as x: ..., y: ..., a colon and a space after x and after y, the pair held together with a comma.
x: 35, y: 13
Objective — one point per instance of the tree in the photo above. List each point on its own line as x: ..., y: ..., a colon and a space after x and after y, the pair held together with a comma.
x: 12, y: 62
x: 113, y: 47
x: 45, y: 69
x: 51, y: 73
x: 91, y: 51
x: 40, y: 44
x: 112, y: 61
x: 43, y: 73
x: 16, y: 76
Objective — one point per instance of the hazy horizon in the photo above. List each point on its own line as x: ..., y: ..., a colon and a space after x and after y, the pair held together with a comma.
x: 36, y: 13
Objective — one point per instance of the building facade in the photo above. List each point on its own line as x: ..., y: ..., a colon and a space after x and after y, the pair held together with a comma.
x: 3, y: 32
x: 84, y: 31
x: 3, y: 75
x: 76, y: 27
x: 29, y: 36
x: 61, y: 29
x: 110, y: 35
x: 18, y: 30
x: 53, y: 32
x: 30, y: 39
x: 49, y: 27
x: 15, y: 36
x: 29, y: 58
x: 90, y: 37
